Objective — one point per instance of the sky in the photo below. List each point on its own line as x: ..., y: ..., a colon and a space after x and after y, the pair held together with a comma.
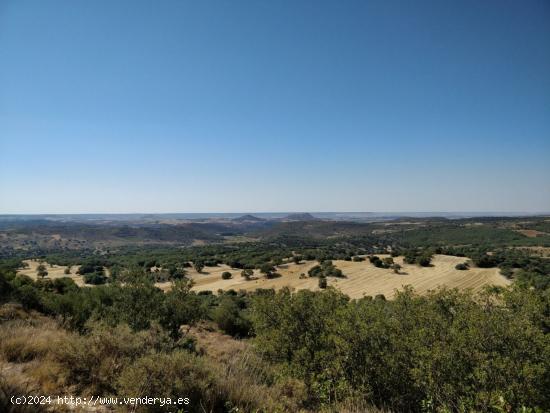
x: 261, y: 105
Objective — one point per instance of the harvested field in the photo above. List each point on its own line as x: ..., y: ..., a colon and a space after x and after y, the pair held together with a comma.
x: 54, y: 271
x: 363, y: 278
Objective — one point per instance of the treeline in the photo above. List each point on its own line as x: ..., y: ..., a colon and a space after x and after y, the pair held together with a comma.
x: 458, y: 233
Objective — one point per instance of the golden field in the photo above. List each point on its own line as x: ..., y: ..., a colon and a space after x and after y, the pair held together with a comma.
x: 54, y: 271
x: 362, y: 278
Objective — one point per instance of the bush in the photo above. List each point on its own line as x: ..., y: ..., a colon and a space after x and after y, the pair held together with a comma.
x: 95, y: 278
x: 462, y: 266
x: 181, y: 306
x: 323, y: 282
x: 226, y: 275
x: 175, y: 375
x: 230, y: 318
x: 481, y: 355
x: 95, y: 361
x: 21, y: 341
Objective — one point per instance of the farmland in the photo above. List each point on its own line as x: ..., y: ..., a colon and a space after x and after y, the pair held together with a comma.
x: 362, y: 278
x: 54, y: 271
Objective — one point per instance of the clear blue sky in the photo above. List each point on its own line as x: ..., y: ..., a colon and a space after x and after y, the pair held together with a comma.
x: 212, y: 106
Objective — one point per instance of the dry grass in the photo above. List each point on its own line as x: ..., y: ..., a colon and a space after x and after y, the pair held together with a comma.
x: 22, y: 341
x: 54, y: 271
x: 242, y: 376
x: 362, y: 278
x: 27, y: 344
x: 541, y: 251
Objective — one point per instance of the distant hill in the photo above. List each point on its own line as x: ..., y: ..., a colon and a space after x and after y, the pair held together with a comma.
x: 248, y: 218
x: 301, y: 217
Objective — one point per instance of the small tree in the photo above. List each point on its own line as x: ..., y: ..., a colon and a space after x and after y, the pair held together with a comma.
x: 425, y: 260
x: 297, y: 259
x: 315, y: 271
x: 247, y: 274
x: 41, y: 270
x: 67, y: 270
x: 226, y: 275
x: 396, y: 267
x: 267, y: 269
x: 388, y: 262
x: 323, y: 282
x: 199, y: 266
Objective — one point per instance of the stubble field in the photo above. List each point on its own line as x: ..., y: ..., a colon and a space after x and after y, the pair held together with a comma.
x: 362, y: 278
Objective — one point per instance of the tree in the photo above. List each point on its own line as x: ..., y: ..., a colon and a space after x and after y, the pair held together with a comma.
x: 176, y: 273
x: 376, y: 261
x: 267, y: 269
x: 41, y: 270
x: 182, y: 306
x: 323, y: 282
x: 199, y: 266
x: 297, y: 259
x: 95, y: 278
x: 226, y: 275
x: 424, y: 260
x: 388, y: 262
x: 247, y: 274
x: 315, y: 271
x: 229, y: 317
x: 67, y: 270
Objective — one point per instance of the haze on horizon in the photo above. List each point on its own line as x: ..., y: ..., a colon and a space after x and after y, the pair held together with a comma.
x: 135, y: 106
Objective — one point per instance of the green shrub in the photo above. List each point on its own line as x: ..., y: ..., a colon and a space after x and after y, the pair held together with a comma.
x: 230, y: 317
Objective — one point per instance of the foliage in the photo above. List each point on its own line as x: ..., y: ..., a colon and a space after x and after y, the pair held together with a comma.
x: 445, y: 349
x: 462, y: 266
x: 325, y: 269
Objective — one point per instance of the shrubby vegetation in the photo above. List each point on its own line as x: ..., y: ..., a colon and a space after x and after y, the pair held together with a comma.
x: 446, y: 352
x: 325, y: 269
x: 306, y: 351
